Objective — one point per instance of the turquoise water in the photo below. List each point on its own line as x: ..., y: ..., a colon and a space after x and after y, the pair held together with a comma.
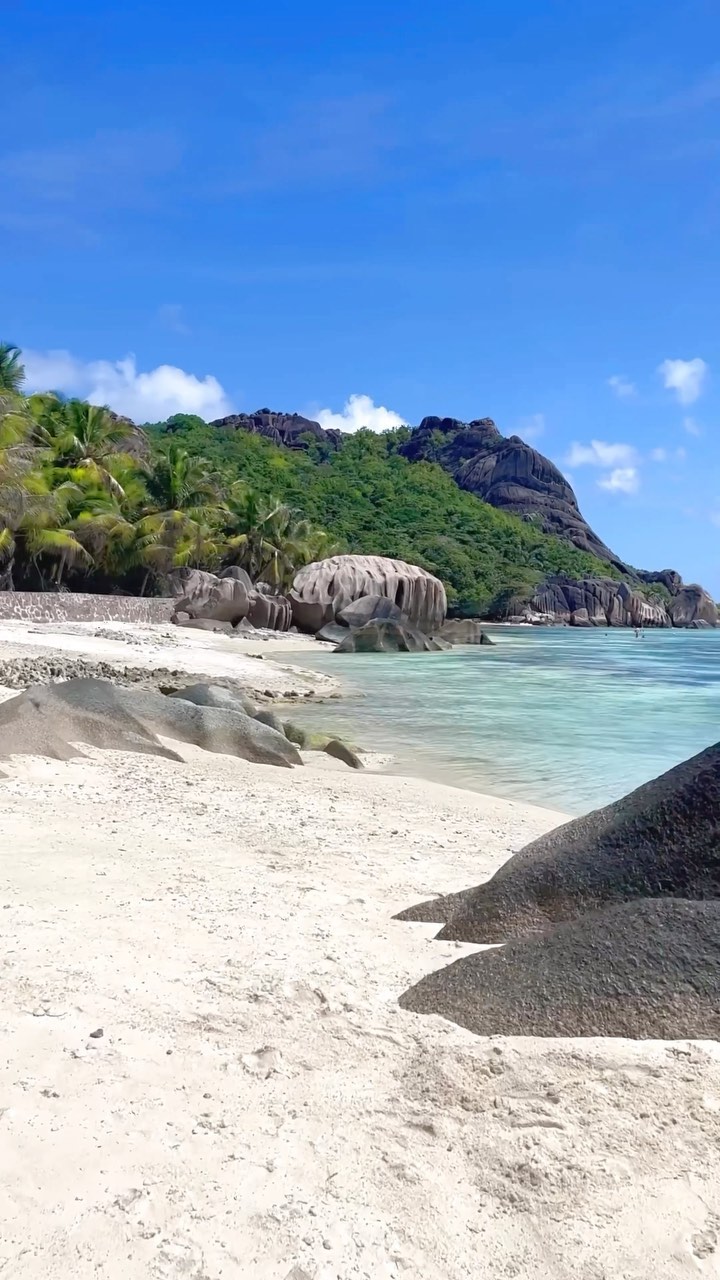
x: 567, y: 718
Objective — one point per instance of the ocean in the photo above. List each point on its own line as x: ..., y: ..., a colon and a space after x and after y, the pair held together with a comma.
x: 563, y: 717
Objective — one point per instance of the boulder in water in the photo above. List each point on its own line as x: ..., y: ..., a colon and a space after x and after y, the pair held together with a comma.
x: 463, y: 631
x: 324, y: 589
x: 370, y: 609
x: 648, y: 969
x: 386, y: 636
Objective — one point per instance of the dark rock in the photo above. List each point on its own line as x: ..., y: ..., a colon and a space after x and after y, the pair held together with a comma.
x: 216, y: 695
x: 289, y: 429
x: 311, y: 612
x: 508, y: 474
x: 342, y: 580
x: 693, y: 604
x: 341, y: 751
x: 661, y: 840
x: 463, y: 631
x: 49, y: 720
x: 597, y: 602
x: 295, y: 734
x: 388, y: 637
x: 370, y: 609
x: 648, y: 969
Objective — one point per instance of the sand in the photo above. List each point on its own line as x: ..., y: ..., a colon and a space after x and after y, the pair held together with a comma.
x: 257, y: 1104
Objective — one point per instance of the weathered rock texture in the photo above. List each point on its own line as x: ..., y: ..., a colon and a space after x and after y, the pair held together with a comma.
x: 77, y: 606
x: 216, y: 695
x: 370, y: 609
x: 50, y: 720
x: 508, y: 474
x: 324, y: 589
x: 229, y: 597
x: 387, y: 636
x: 464, y: 631
x: 289, y: 429
x: 645, y: 970
x: 692, y: 604
x: 597, y: 602
x: 661, y: 840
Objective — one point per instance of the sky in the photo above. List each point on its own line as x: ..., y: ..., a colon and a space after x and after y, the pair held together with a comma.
x: 373, y: 212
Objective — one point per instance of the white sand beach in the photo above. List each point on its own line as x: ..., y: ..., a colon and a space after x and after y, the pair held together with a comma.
x: 205, y: 1072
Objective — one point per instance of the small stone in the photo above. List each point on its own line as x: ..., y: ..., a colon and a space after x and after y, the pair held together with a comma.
x: 97, y: 1035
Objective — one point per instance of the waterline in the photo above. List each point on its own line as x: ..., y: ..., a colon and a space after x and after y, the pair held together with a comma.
x: 562, y: 717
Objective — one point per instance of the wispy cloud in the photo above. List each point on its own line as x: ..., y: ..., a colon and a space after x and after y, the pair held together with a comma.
x: 685, y: 378
x: 360, y: 411
x: 621, y: 480
x: 145, y: 396
x: 692, y: 427
x: 532, y: 427
x: 172, y: 316
x: 598, y: 453
x: 623, y: 388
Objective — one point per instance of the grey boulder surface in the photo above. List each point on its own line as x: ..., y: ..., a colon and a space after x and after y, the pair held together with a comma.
x: 370, y: 609
x: 322, y: 590
x: 661, y: 840
x: 341, y: 751
x: 50, y: 720
x: 204, y: 596
x: 386, y: 636
x: 216, y: 695
x: 648, y: 969
x: 463, y: 631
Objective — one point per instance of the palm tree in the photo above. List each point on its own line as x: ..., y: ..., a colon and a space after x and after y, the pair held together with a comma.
x: 82, y: 435
x: 12, y: 370
x: 274, y: 540
x: 181, y: 483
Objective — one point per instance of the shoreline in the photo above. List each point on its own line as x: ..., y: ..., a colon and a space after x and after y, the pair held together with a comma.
x: 206, y: 1070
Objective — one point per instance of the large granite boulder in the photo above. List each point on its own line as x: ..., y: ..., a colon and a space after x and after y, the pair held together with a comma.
x: 661, y: 840
x: 370, y: 609
x: 238, y: 573
x: 269, y: 609
x: 206, y: 596
x: 648, y: 969
x: 50, y: 720
x: 602, y: 602
x: 507, y: 473
x: 464, y: 631
x: 324, y: 589
x: 693, y: 604
x: 216, y: 695
x: 387, y: 636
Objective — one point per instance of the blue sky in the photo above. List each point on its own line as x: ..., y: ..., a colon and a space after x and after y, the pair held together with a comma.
x: 473, y: 209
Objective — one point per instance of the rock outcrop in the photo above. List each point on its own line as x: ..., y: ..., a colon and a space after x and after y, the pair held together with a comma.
x: 692, y: 604
x: 600, y: 602
x: 661, y: 840
x: 464, y: 631
x: 645, y: 970
x: 322, y: 590
x: 507, y: 473
x: 387, y: 636
x: 205, y: 600
x: 50, y: 720
x: 289, y: 429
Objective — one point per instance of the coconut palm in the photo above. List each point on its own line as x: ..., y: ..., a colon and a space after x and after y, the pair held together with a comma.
x: 12, y: 370
x: 82, y: 435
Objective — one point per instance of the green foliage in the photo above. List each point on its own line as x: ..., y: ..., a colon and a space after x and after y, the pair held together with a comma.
x: 376, y: 502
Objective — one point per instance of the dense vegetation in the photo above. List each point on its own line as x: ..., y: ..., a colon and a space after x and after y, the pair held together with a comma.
x: 375, y: 501
x: 91, y: 502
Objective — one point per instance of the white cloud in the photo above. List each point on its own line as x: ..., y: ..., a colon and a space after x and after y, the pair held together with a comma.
x: 144, y: 397
x: 684, y: 377
x: 360, y: 411
x: 659, y: 455
x: 692, y: 427
x: 622, y: 386
x: 621, y: 480
x: 600, y: 454
x: 665, y: 455
x: 532, y: 427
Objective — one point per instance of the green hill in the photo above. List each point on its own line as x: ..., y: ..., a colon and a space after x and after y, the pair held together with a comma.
x: 370, y: 499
